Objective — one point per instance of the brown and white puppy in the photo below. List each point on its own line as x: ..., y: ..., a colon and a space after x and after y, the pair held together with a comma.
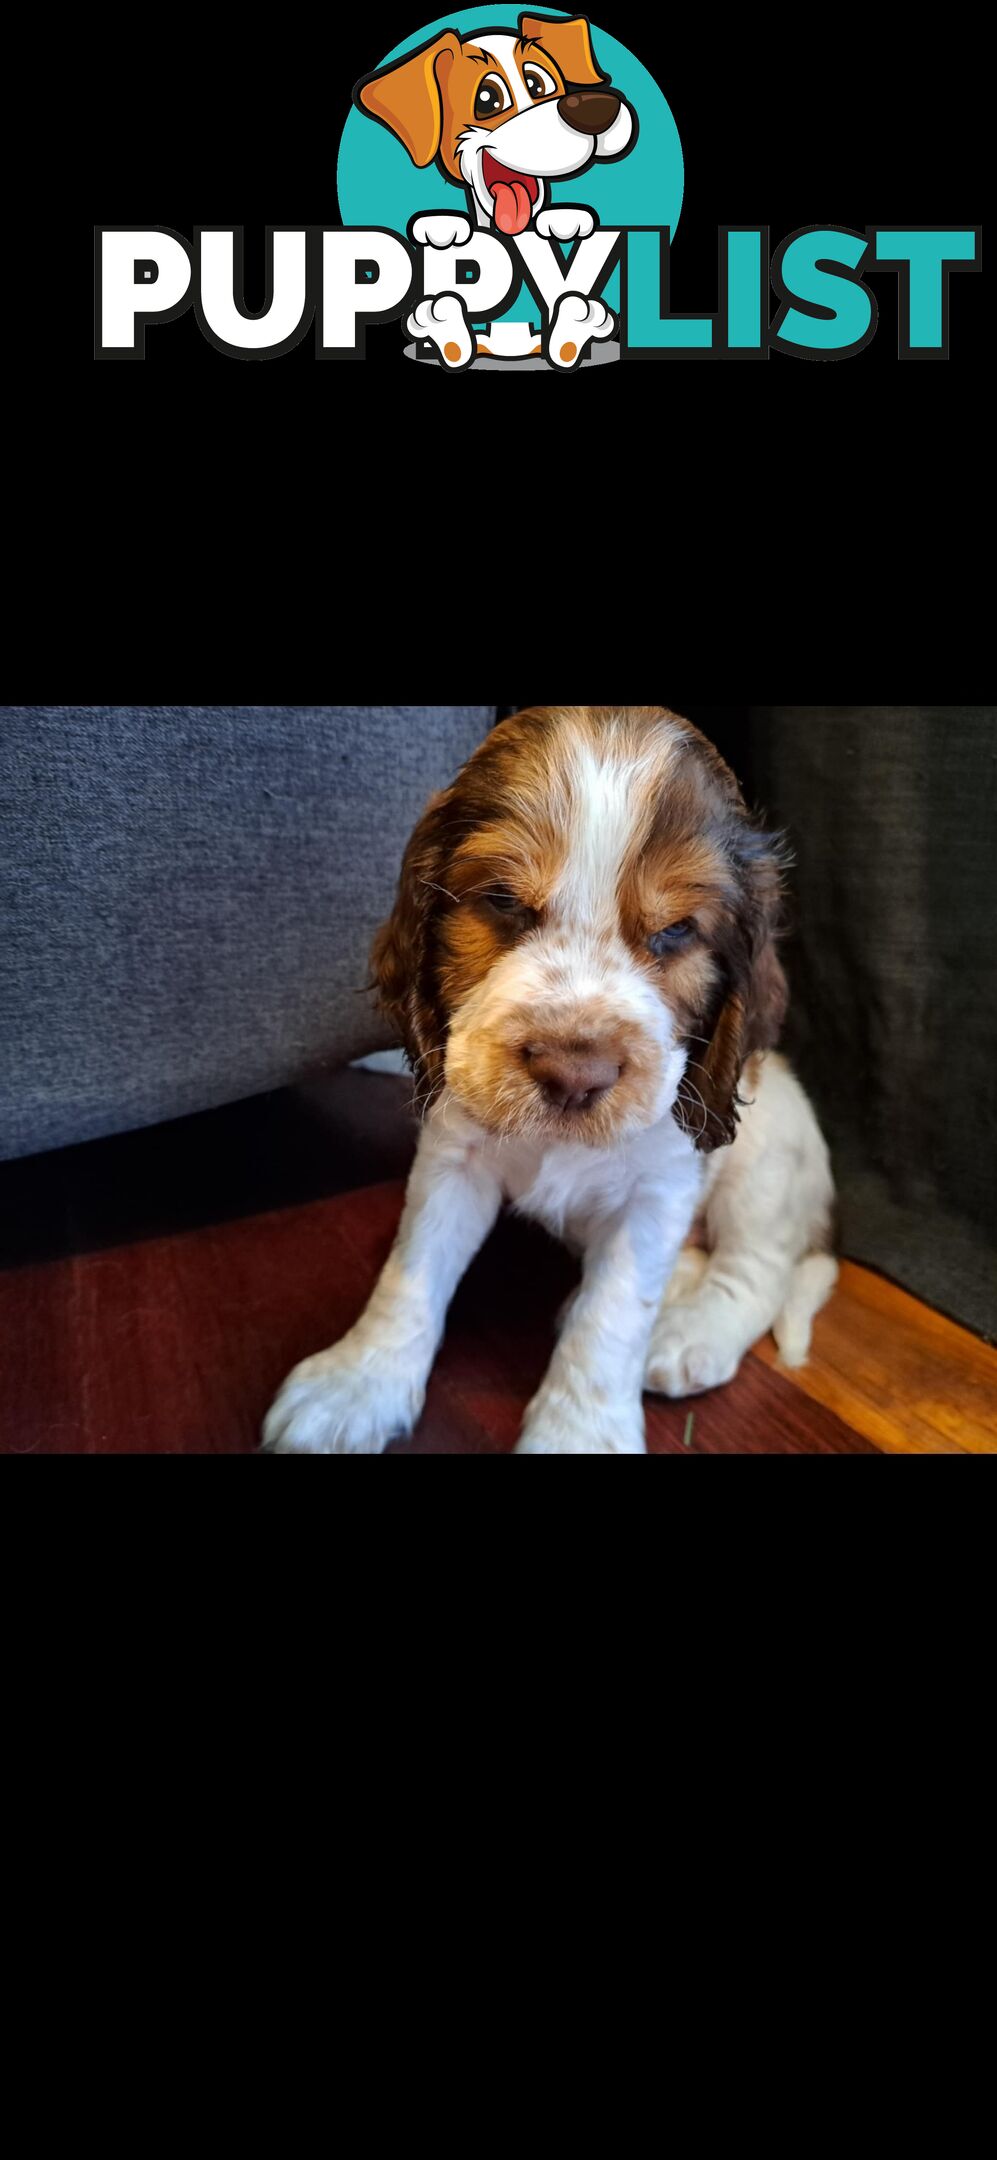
x: 582, y: 962
x: 501, y: 115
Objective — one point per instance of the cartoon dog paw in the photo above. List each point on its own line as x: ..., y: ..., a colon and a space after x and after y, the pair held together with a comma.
x: 443, y: 320
x: 440, y: 230
x: 564, y: 223
x: 575, y: 321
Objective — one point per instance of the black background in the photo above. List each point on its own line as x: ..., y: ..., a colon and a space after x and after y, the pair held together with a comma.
x: 684, y: 532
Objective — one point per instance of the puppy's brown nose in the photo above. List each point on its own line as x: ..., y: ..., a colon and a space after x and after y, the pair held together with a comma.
x: 590, y: 111
x: 571, y: 1079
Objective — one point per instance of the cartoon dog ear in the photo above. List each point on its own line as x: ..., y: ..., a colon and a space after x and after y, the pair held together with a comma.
x: 568, y: 43
x: 407, y: 97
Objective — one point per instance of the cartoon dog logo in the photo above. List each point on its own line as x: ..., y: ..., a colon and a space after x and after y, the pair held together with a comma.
x: 543, y: 102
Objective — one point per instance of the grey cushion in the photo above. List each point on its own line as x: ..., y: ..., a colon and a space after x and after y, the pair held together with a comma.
x: 188, y: 894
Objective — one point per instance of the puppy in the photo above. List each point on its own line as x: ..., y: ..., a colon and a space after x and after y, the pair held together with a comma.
x: 582, y: 964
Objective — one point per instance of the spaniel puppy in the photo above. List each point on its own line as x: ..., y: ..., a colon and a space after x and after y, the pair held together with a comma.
x: 582, y: 964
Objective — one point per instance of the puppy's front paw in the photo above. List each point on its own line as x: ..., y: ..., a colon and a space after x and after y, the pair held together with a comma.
x: 688, y: 1353
x: 558, y: 1425
x: 574, y: 323
x: 443, y: 320
x: 561, y: 222
x: 334, y: 1404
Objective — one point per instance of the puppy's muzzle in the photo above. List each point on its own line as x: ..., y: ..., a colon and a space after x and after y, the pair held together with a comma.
x: 572, y: 1078
x: 590, y: 111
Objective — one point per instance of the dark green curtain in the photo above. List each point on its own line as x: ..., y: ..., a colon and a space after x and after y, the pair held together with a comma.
x: 891, y: 812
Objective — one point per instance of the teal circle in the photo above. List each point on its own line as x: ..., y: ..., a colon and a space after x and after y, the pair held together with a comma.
x: 379, y: 185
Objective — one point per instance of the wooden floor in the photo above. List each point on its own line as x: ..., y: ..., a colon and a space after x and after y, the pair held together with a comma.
x: 906, y: 1378
x: 155, y: 1292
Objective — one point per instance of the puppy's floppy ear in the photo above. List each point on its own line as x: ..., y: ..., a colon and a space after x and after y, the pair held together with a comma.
x: 401, y: 956
x: 753, y: 1007
x: 407, y: 97
x: 568, y: 43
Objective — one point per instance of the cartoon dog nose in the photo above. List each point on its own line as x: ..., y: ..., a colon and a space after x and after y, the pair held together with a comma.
x: 590, y: 111
x: 573, y: 1078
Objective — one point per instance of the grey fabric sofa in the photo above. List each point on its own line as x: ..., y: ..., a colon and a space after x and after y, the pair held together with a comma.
x: 187, y: 898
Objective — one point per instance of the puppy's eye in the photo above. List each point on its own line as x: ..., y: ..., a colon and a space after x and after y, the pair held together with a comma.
x: 506, y: 903
x: 663, y: 942
x: 537, y: 83
x: 492, y: 98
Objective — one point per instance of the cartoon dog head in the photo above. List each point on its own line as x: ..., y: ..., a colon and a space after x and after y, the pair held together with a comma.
x: 503, y: 115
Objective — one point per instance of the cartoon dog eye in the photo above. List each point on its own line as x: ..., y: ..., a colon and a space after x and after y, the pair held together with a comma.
x: 538, y: 83
x: 493, y: 97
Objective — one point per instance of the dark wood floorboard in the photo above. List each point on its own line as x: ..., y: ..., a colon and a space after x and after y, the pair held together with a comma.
x: 177, y: 1343
x: 156, y: 1287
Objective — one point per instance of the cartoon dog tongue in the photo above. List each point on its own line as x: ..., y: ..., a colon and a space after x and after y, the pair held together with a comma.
x: 512, y: 205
